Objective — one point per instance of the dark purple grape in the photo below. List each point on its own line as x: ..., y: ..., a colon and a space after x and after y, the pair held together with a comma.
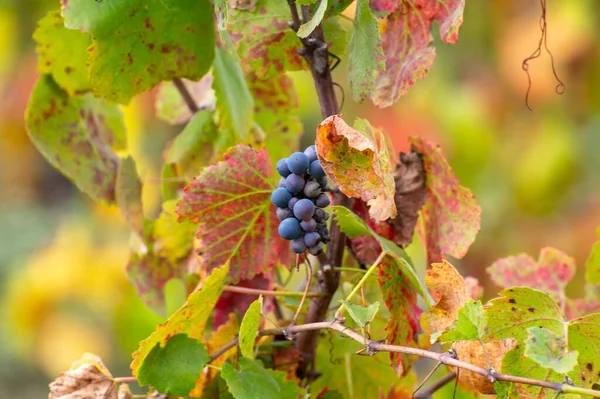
x: 292, y: 203
x: 294, y: 183
x: 312, y: 239
x: 280, y: 197
x: 298, y: 163
x: 322, y: 201
x: 316, y: 170
x: 324, y: 232
x: 316, y: 250
x: 309, y: 225
x: 320, y: 215
x: 289, y: 228
x: 297, y: 245
x: 282, y: 168
x: 282, y: 182
x: 311, y: 153
x: 304, y: 209
x: 312, y: 189
x: 324, y: 184
x: 284, y: 213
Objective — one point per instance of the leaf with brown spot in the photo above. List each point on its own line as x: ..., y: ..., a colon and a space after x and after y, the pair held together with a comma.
x: 550, y: 273
x: 77, y: 135
x: 128, y: 192
x: 230, y: 202
x: 358, y: 161
x: 451, y: 215
x: 170, y: 106
x: 407, y: 43
x: 88, y: 378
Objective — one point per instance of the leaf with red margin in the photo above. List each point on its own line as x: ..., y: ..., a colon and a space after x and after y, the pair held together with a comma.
x: 407, y: 43
x: 237, y: 223
x: 451, y: 216
x: 550, y: 273
x: 233, y: 302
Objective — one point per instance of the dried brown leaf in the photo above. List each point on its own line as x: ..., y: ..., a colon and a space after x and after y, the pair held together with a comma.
x: 88, y: 378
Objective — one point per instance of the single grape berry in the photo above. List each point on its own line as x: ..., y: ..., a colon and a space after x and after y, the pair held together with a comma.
x: 316, y: 170
x: 292, y: 203
x: 294, y: 183
x: 282, y: 168
x: 312, y: 239
x: 304, y: 209
x: 289, y: 229
x: 312, y: 189
x: 323, y: 183
x: 282, y: 182
x: 321, y: 215
x: 284, y: 213
x: 324, y: 232
x: 298, y: 163
x: 316, y: 250
x: 297, y: 245
x: 311, y: 153
x: 322, y: 201
x: 280, y: 197
x: 309, y: 225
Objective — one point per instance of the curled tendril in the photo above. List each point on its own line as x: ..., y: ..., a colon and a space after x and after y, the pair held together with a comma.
x: 332, y: 358
x: 560, y: 86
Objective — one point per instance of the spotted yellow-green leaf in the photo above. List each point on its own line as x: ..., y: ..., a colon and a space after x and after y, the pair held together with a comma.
x: 307, y: 28
x: 170, y: 106
x: 221, y: 14
x: 174, y: 368
x: 251, y: 380
x: 468, y: 326
x: 592, y: 265
x: 549, y: 350
x: 137, y: 43
x: 62, y: 53
x: 365, y: 55
x: 128, y: 192
x: 249, y: 328
x: 451, y: 216
x: 77, y: 136
x: 362, y: 315
x: 230, y: 203
x: 190, y: 319
x: 358, y: 161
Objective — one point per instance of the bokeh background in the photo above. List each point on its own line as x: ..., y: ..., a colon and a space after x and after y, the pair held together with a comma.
x: 535, y: 173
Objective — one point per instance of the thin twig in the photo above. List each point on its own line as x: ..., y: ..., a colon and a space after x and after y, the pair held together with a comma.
x: 428, y: 392
x: 186, y: 95
x: 124, y: 379
x: 375, y: 346
x: 253, y: 291
x: 308, y: 280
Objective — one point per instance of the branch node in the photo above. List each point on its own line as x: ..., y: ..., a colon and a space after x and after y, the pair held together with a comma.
x: 491, y: 375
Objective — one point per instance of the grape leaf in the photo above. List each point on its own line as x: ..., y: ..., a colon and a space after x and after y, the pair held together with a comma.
x: 366, y: 249
x: 88, y: 377
x: 170, y: 106
x: 234, y: 101
x: 307, y: 28
x: 233, y: 302
x: 137, y: 44
x: 128, y: 193
x: 384, y: 7
x: 474, y: 289
x: 592, y: 265
x: 334, y: 7
x: 190, y: 319
x: 327, y: 394
x: 365, y: 55
x: 252, y: 381
x: 550, y: 273
x: 451, y: 215
x: 549, y: 350
x: 237, y: 223
x: 75, y: 134
x: 249, y: 328
x: 468, y: 326
x: 407, y: 44
x: 450, y: 293
x: 221, y: 14
x: 358, y: 161
x: 174, y: 368
x: 584, y: 337
x: 62, y: 53
x: 362, y: 315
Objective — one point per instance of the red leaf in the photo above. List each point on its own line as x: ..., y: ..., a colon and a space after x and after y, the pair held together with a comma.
x: 237, y: 223
x: 366, y: 249
x: 451, y: 214
x: 407, y: 43
x: 233, y: 302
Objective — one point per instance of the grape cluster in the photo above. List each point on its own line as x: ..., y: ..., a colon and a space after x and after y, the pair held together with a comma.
x: 299, y: 201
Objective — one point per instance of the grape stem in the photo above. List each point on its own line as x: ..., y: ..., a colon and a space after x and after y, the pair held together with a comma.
x: 186, y: 95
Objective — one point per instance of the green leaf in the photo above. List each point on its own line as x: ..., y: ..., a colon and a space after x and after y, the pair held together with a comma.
x: 360, y: 314
x: 174, y: 368
x: 190, y: 319
x: 306, y: 29
x: 170, y: 106
x: 584, y: 337
x: 137, y: 43
x: 128, y: 193
x: 365, y: 56
x: 221, y: 14
x: 234, y: 101
x: 592, y: 265
x: 62, y: 53
x: 75, y: 134
x: 469, y: 325
x: 549, y: 350
x: 249, y: 328
x: 253, y: 381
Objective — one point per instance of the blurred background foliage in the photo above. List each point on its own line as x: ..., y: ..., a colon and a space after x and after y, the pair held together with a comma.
x: 536, y: 175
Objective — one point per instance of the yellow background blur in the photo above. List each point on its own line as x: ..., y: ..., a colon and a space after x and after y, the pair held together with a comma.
x: 536, y: 175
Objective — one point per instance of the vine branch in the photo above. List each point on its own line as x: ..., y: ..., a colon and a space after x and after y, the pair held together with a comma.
x: 186, y: 95
x: 372, y: 347
x: 254, y: 291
